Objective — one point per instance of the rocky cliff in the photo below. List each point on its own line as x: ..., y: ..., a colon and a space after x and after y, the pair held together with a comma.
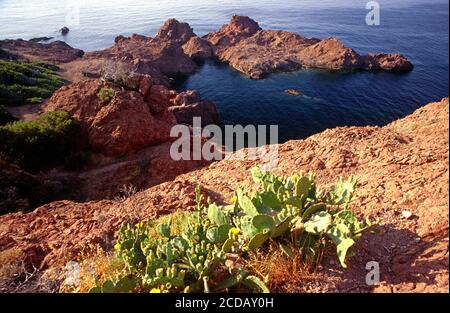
x: 400, y: 167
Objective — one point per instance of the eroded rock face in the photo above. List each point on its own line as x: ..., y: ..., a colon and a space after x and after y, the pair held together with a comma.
x: 126, y: 125
x: 57, y: 51
x: 239, y: 28
x: 329, y: 54
x: 198, y: 48
x: 166, y: 56
x: 391, y: 62
x: 265, y: 52
x: 173, y: 30
x: 117, y: 127
x: 188, y: 104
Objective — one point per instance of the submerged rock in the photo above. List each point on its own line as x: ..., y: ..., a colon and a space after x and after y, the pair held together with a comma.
x: 64, y: 31
x: 293, y: 92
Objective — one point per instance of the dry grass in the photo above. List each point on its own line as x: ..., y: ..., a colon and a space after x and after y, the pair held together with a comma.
x: 10, y: 263
x: 95, y: 266
x: 283, y: 274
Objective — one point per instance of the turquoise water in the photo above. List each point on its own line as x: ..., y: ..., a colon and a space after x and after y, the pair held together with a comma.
x: 417, y: 29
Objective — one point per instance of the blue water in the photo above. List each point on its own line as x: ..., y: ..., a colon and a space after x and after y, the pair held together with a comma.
x: 416, y: 28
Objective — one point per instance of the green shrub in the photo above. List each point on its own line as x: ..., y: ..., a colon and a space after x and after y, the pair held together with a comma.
x: 201, y: 251
x: 40, y: 143
x: 106, y: 94
x: 26, y: 82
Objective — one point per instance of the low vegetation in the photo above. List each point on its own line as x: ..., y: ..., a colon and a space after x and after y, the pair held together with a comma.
x: 40, y: 143
x: 213, y: 249
x: 22, y: 83
x: 106, y: 94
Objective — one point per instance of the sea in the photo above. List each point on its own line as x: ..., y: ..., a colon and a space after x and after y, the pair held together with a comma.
x: 418, y: 29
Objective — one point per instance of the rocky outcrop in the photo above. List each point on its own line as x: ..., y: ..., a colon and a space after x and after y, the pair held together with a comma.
x: 391, y: 62
x: 56, y: 52
x: 198, y: 48
x: 239, y: 28
x: 256, y: 52
x: 173, y: 30
x: 188, y: 104
x: 166, y: 56
x: 241, y: 43
x: 135, y: 113
x: 118, y: 126
x: 265, y: 52
x: 402, y: 166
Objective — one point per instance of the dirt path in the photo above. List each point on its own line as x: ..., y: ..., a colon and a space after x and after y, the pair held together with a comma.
x: 26, y: 112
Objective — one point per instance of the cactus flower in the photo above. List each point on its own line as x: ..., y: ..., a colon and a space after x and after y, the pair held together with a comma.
x: 155, y: 290
x: 234, y: 231
x: 117, y: 246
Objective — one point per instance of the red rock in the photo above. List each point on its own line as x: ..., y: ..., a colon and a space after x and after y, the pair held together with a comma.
x: 57, y: 51
x: 256, y: 52
x: 173, y: 30
x: 198, y: 48
x: 186, y: 97
x: 329, y: 54
x: 239, y: 28
x: 390, y: 62
x: 126, y: 125
x: 122, y: 126
x: 145, y: 85
x: 159, y: 98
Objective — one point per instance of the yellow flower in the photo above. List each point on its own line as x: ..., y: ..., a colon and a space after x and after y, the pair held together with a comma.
x: 234, y: 231
x: 155, y: 290
x: 117, y: 246
x: 233, y: 199
x: 140, y: 225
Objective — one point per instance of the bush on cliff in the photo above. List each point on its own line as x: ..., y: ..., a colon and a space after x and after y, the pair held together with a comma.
x: 40, y: 143
x: 27, y: 82
x: 210, y: 249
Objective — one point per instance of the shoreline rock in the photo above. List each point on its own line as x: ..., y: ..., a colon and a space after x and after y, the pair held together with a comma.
x: 56, y: 51
x: 256, y: 52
